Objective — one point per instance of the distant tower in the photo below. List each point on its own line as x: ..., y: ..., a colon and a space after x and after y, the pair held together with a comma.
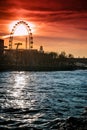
x: 26, y: 43
x: 1, y: 46
x: 41, y: 49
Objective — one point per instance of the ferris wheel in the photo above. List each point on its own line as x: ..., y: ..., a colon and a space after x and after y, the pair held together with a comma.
x: 30, y: 37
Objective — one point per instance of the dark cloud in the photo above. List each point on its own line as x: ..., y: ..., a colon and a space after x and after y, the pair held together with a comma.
x: 45, y: 5
x: 75, y: 18
x: 82, y: 28
x: 54, y: 5
x: 47, y: 10
x: 6, y: 15
x: 6, y: 4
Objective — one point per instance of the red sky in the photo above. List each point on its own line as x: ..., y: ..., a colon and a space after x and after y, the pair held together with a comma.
x: 61, y: 25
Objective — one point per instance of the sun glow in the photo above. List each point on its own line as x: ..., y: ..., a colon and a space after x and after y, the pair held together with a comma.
x: 21, y: 29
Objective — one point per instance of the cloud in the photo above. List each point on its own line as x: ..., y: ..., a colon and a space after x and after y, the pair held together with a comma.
x: 47, y: 10
x: 57, y: 5
x: 83, y: 28
x: 53, y: 5
x: 45, y: 5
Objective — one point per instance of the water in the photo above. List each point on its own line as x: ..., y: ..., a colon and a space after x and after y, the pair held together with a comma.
x: 33, y: 99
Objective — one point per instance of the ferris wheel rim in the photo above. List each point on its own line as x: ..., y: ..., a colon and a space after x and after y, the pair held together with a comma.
x: 13, y: 30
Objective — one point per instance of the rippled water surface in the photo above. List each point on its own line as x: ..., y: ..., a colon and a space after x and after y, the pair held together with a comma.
x: 33, y: 99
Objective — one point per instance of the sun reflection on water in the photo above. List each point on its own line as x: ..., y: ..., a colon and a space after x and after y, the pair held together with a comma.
x: 18, y: 87
x: 22, y: 97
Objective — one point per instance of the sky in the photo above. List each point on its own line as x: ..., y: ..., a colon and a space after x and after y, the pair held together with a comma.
x: 57, y: 25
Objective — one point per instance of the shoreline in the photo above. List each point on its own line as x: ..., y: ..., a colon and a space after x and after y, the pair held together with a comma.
x: 39, y: 68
